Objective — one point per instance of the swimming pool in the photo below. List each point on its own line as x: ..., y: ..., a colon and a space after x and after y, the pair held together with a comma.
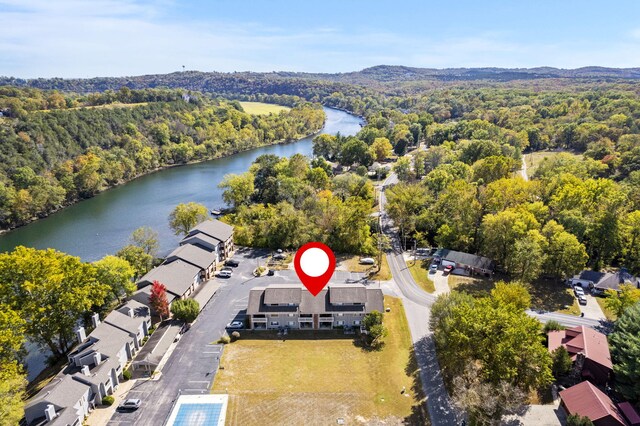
x: 199, y: 410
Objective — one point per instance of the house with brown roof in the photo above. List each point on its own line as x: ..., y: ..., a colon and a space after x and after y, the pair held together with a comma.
x: 212, y: 235
x: 293, y: 306
x: 585, y: 399
x: 587, y: 346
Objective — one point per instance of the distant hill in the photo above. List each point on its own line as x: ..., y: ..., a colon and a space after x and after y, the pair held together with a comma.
x: 302, y: 84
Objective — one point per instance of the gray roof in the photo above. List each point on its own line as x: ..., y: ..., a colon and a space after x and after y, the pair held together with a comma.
x: 99, y: 374
x: 612, y: 281
x: 120, y: 318
x: 193, y: 240
x: 109, y: 340
x: 283, y: 294
x: 213, y: 228
x: 142, y: 296
x: 319, y: 304
x: 593, y: 276
x: 177, y: 276
x: 62, y: 391
x: 466, y: 259
x: 193, y: 255
x: 68, y: 416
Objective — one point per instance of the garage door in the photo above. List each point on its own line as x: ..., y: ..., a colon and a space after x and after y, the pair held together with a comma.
x: 448, y: 263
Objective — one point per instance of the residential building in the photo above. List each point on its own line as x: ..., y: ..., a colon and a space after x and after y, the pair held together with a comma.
x: 179, y: 277
x: 196, y: 256
x: 587, y: 346
x: 470, y: 263
x: 214, y: 236
x: 586, y: 400
x: 63, y: 401
x: 293, y: 306
x: 134, y: 318
x: 599, y: 282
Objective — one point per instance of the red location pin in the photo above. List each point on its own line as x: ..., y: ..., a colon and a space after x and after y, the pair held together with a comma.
x: 314, y: 263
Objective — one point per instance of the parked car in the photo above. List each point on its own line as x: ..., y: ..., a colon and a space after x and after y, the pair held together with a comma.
x: 224, y: 274
x: 578, y: 290
x: 235, y: 325
x: 226, y: 268
x: 279, y: 256
x: 271, y: 272
x: 582, y: 299
x: 232, y: 263
x: 130, y: 404
x: 448, y: 268
x: 367, y: 261
x: 433, y: 268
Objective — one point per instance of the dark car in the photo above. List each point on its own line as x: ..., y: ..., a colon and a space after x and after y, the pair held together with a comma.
x: 271, y: 272
x: 232, y: 263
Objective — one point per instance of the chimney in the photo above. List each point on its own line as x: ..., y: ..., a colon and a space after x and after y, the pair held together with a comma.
x: 85, y: 370
x: 81, y: 334
x: 97, y: 357
x: 95, y: 319
x: 130, y: 312
x: 50, y: 412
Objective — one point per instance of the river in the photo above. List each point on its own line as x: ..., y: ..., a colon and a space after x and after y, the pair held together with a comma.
x: 102, y: 225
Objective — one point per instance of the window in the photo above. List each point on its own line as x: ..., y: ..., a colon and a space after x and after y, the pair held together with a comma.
x: 291, y: 315
x: 356, y: 323
x: 291, y: 323
x: 340, y: 315
x: 275, y: 323
x: 274, y: 315
x: 340, y: 322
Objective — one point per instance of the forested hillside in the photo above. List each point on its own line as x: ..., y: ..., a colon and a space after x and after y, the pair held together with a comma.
x: 57, y: 148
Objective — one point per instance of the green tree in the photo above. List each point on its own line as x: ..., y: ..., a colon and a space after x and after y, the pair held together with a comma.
x: 12, y: 393
x: 51, y: 290
x: 565, y: 255
x: 500, y: 232
x: 326, y: 146
x: 138, y: 259
x: 526, y: 259
x: 625, y: 353
x: 376, y: 331
x: 492, y: 168
x: 578, y: 420
x: 186, y: 310
x: 619, y: 301
x: 403, y: 169
x: 12, y: 328
x: 116, y: 273
x: 381, y: 148
x: 355, y: 151
x: 514, y: 294
x: 186, y: 216
x: 147, y: 239
x: 561, y: 362
x: 405, y: 202
x: 238, y: 189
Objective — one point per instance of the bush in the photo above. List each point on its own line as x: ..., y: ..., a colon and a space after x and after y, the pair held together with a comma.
x: 561, y: 362
x: 126, y: 375
x: 224, y: 340
x: 578, y: 420
x: 553, y: 326
x: 186, y: 310
x: 108, y: 400
x: 235, y: 336
x: 151, y: 330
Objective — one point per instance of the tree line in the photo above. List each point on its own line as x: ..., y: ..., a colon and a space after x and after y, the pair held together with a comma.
x: 53, y: 157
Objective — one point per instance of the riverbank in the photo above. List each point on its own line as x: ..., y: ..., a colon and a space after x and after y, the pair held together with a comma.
x: 159, y: 169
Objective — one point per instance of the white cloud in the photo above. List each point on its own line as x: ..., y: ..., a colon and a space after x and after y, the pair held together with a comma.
x: 76, y: 38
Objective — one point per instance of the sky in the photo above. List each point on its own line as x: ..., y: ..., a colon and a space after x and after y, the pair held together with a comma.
x: 90, y: 38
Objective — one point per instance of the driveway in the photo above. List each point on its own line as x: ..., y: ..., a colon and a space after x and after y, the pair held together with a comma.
x: 592, y: 309
x: 440, y: 281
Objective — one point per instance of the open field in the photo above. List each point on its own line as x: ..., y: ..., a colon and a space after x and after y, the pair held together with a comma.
x: 420, y: 272
x: 260, y: 108
x: 546, y: 294
x: 534, y: 159
x: 317, y: 377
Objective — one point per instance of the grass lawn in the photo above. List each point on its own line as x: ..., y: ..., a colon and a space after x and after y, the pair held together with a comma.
x: 534, y: 159
x: 316, y: 377
x: 420, y: 272
x: 611, y: 316
x: 384, y: 274
x: 261, y: 108
x: 352, y: 264
x: 477, y: 287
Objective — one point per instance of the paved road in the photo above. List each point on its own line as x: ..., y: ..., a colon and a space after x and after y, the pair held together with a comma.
x: 194, y: 362
x: 417, y: 305
x: 570, y: 320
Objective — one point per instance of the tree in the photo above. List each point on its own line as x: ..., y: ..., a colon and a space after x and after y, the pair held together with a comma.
x: 376, y: 331
x: 186, y: 310
x: 565, y: 255
x: 138, y: 259
x: 625, y: 353
x: 513, y: 294
x: 561, y: 362
x: 578, y: 420
x: 355, y: 151
x: 186, y: 216
x: 403, y: 169
x: 500, y: 232
x: 51, y: 291
x: 238, y: 189
x: 147, y: 239
x: 116, y: 273
x: 12, y: 328
x: 325, y: 146
x: 158, y: 300
x: 405, y: 202
x: 619, y: 301
x: 492, y: 168
x: 526, y: 259
x: 552, y: 325
x: 12, y: 393
x: 381, y: 148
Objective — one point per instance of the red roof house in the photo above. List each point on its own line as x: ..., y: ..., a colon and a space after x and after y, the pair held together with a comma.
x: 593, y: 345
x: 587, y: 400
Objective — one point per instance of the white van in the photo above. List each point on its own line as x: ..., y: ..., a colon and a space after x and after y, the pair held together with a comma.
x: 367, y: 261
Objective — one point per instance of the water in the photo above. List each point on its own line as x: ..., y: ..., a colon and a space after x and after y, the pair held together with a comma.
x: 102, y: 225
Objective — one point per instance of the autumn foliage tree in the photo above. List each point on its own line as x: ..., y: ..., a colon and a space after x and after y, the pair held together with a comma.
x: 158, y: 300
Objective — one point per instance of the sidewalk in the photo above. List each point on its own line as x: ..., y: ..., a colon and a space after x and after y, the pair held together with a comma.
x: 101, y: 416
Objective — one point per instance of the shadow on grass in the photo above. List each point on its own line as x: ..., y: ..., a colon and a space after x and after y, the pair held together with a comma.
x: 294, y: 335
x: 550, y: 295
x: 419, y: 412
x: 359, y: 341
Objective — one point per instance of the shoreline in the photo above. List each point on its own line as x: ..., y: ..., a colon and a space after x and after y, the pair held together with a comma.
x: 158, y: 169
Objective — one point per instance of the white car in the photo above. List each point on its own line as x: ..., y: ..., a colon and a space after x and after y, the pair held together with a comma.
x: 235, y: 325
x: 578, y: 290
x: 130, y: 404
x: 367, y: 261
x: 224, y: 274
x: 433, y: 268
